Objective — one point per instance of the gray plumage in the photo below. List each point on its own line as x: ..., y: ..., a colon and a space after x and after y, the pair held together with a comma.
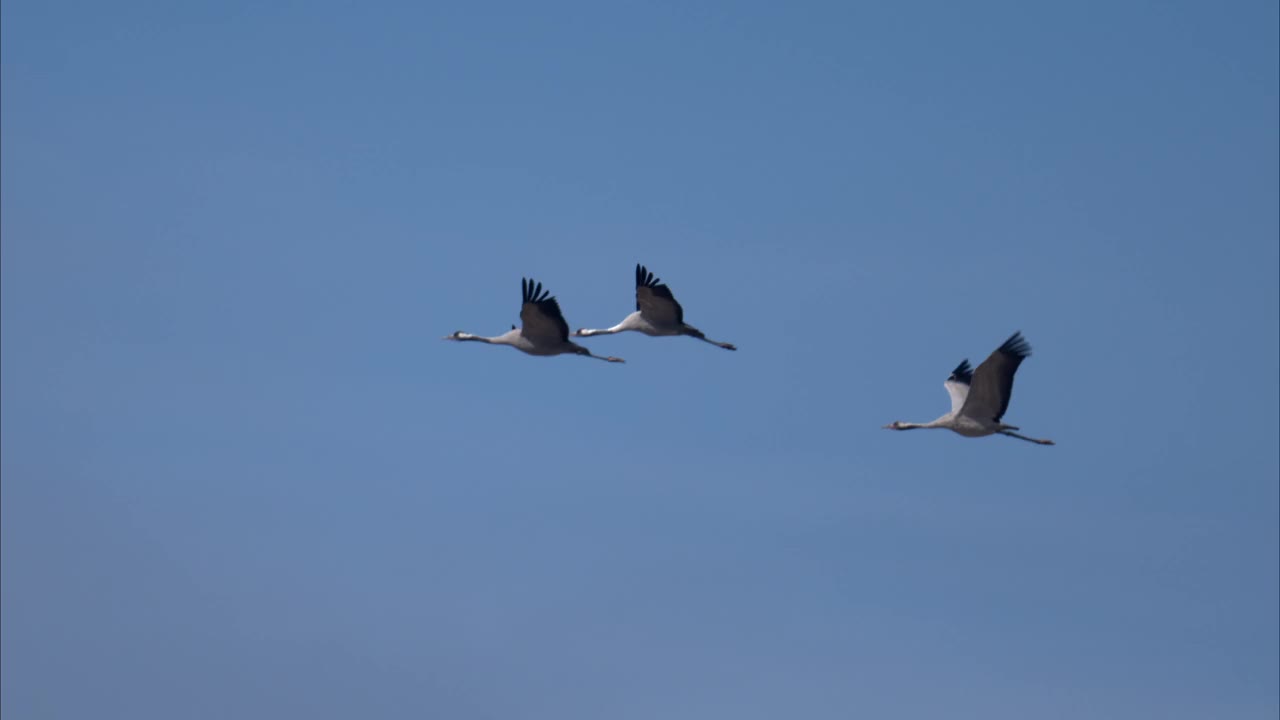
x: 657, y: 313
x: 980, y: 398
x: 543, y: 329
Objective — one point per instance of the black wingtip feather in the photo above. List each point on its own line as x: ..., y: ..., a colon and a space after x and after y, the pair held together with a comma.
x: 1016, y: 346
x: 646, y: 278
x: 963, y: 373
x: 532, y: 290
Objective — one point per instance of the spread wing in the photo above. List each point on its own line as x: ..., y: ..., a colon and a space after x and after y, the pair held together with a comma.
x: 992, y: 383
x: 540, y: 315
x: 958, y: 385
x: 655, y: 301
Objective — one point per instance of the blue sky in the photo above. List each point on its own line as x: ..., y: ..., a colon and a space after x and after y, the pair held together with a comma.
x: 244, y: 477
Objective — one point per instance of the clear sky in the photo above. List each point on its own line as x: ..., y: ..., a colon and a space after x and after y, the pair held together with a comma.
x: 243, y: 477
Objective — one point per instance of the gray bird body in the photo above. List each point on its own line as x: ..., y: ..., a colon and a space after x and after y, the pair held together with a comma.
x: 543, y: 329
x: 657, y: 314
x: 979, y: 398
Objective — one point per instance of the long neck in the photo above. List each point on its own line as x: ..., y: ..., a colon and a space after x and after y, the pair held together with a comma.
x: 931, y: 425
x: 624, y: 325
x: 630, y: 322
x: 475, y: 338
x: 510, y: 337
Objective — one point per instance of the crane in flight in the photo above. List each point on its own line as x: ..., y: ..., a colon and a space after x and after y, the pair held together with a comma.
x: 657, y: 313
x: 979, y: 398
x: 543, y: 330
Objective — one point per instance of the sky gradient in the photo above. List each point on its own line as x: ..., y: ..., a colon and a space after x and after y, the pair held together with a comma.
x: 242, y: 476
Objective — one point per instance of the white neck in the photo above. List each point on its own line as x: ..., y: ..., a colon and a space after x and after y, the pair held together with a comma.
x: 620, y: 327
x: 941, y: 423
x: 507, y: 338
x: 630, y: 322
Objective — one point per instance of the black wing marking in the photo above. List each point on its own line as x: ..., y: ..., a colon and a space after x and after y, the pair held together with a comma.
x: 992, y: 384
x: 540, y: 311
x: 659, y: 291
x: 963, y: 374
